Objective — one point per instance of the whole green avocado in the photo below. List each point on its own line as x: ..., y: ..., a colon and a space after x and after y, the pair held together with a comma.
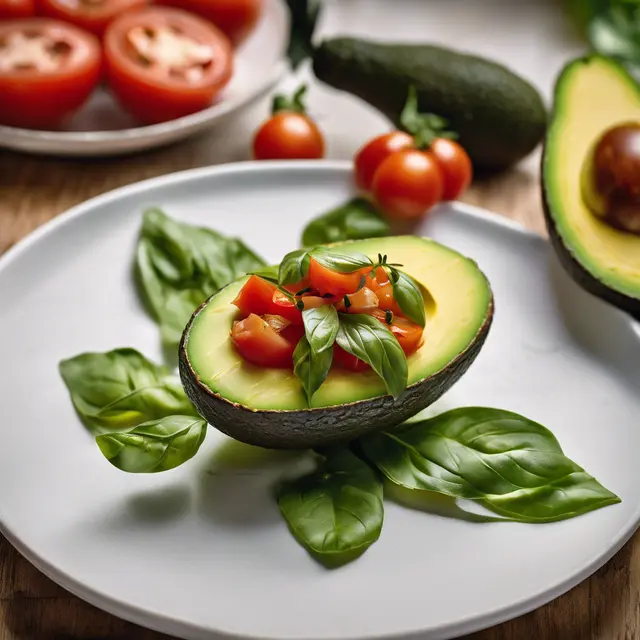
x: 498, y: 115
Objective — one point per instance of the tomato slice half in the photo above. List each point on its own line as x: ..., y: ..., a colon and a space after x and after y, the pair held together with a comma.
x: 165, y: 63
x: 47, y: 70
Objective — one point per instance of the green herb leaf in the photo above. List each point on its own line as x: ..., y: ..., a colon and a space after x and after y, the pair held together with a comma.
x: 321, y: 327
x: 355, y: 220
x: 304, y: 16
x: 512, y: 465
x: 409, y: 297
x: 424, y: 127
x: 311, y: 368
x: 342, y: 262
x: 336, y: 513
x: 294, y: 267
x: 616, y: 31
x: 368, y: 339
x: 154, y: 446
x: 294, y: 103
x: 269, y: 273
x: 179, y: 266
x: 121, y: 388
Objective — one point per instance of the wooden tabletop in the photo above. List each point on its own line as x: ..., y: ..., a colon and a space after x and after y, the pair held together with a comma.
x: 34, y: 190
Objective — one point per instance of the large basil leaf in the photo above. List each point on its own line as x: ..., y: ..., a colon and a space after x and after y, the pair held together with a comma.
x: 294, y: 267
x: 355, y: 220
x: 180, y: 266
x: 408, y: 296
x: 344, y: 263
x: 336, y: 512
x: 321, y: 327
x: 154, y: 446
x: 121, y: 388
x: 369, y: 339
x: 513, y: 465
x: 311, y: 367
x: 616, y: 31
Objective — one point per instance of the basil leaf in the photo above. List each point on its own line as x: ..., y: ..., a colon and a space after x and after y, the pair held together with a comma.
x: 121, y: 388
x: 321, y: 327
x: 369, y: 339
x: 355, y: 220
x: 344, y: 263
x: 512, y: 465
x: 154, y: 446
x: 269, y: 273
x: 336, y: 512
x: 179, y: 266
x: 409, y: 297
x: 294, y: 267
x: 311, y: 368
x: 616, y: 32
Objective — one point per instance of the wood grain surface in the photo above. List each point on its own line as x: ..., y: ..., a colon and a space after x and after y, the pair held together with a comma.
x: 34, y: 190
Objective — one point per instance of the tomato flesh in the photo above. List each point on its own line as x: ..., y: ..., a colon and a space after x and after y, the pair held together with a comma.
x: 344, y: 360
x: 407, y: 333
x: 386, y: 301
x: 262, y: 297
x: 14, y: 9
x: 326, y: 280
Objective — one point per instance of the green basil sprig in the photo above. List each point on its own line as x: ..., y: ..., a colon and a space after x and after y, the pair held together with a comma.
x: 507, y: 462
x: 342, y: 262
x: 370, y: 340
x: 336, y: 513
x: 357, y: 219
x: 407, y: 294
x: 121, y: 388
x: 321, y: 327
x: 180, y: 266
x: 311, y: 367
x: 155, y: 446
x: 294, y: 267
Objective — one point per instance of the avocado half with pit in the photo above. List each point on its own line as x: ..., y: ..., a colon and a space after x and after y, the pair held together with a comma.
x: 267, y: 407
x: 592, y: 95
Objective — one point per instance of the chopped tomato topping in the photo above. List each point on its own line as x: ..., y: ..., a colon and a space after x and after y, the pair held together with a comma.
x: 387, y: 301
x: 407, y: 332
x: 262, y: 297
x: 362, y: 301
x: 376, y: 280
x: 344, y: 360
x: 325, y: 280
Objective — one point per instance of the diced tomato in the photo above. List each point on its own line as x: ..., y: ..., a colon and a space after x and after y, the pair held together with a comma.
x: 344, y: 360
x: 325, y: 280
x: 313, y: 302
x: 407, y: 332
x: 258, y: 342
x: 14, y: 9
x: 263, y: 298
x: 362, y: 301
x: 387, y: 301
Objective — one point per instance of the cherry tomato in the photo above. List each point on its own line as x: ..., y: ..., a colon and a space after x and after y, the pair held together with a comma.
x: 261, y: 297
x: 92, y: 15
x: 372, y: 154
x: 457, y: 170
x: 165, y: 63
x: 408, y: 183
x: 14, y: 9
x: 407, y: 332
x: 236, y: 18
x: 258, y: 342
x: 326, y: 280
x: 386, y: 301
x: 47, y: 70
x: 288, y: 136
x: 344, y: 360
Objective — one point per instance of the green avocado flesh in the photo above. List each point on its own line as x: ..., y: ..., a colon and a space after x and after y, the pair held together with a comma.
x: 592, y: 95
x: 461, y: 305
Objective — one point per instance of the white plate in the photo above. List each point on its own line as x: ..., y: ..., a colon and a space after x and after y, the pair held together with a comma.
x: 102, y: 128
x: 201, y: 551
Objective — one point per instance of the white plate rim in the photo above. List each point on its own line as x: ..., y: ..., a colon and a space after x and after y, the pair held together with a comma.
x: 163, y: 623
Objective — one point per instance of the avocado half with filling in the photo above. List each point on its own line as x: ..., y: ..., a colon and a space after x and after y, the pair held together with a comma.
x: 592, y: 95
x: 267, y: 407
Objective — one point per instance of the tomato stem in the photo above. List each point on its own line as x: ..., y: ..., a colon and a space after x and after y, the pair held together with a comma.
x: 294, y: 103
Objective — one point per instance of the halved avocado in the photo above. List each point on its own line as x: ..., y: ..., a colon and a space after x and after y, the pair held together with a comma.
x: 592, y: 95
x: 267, y: 407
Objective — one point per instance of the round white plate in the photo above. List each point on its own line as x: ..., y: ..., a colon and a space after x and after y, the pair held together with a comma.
x: 103, y: 128
x: 201, y: 551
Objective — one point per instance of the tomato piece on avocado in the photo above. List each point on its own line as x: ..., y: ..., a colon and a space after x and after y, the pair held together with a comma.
x: 325, y: 280
x: 386, y: 301
x: 344, y: 360
x: 364, y: 300
x: 165, y: 63
x: 262, y: 297
x: 407, y: 333
x: 47, y: 70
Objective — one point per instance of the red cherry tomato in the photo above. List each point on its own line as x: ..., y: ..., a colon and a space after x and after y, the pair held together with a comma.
x: 325, y: 280
x: 92, y: 15
x: 258, y: 342
x: 288, y: 135
x: 236, y: 18
x: 165, y: 63
x: 47, y: 70
x: 408, y: 183
x: 407, y: 332
x: 14, y: 9
x: 372, y: 154
x: 344, y: 360
x: 457, y: 170
x: 261, y: 297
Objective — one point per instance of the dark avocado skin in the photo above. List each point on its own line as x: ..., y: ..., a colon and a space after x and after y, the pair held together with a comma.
x: 310, y: 428
x: 498, y: 115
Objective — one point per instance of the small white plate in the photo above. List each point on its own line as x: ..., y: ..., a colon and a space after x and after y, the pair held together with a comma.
x: 102, y: 128
x: 201, y: 551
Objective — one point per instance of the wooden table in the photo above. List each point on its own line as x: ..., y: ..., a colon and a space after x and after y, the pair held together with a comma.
x: 32, y: 191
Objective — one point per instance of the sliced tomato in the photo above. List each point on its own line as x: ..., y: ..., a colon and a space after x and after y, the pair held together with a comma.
x: 364, y: 300
x: 376, y: 280
x: 14, y: 9
x: 259, y: 343
x: 47, y: 70
x: 387, y: 301
x: 408, y: 333
x: 344, y: 360
x: 92, y: 15
x: 165, y: 63
x: 262, y: 297
x: 325, y: 280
